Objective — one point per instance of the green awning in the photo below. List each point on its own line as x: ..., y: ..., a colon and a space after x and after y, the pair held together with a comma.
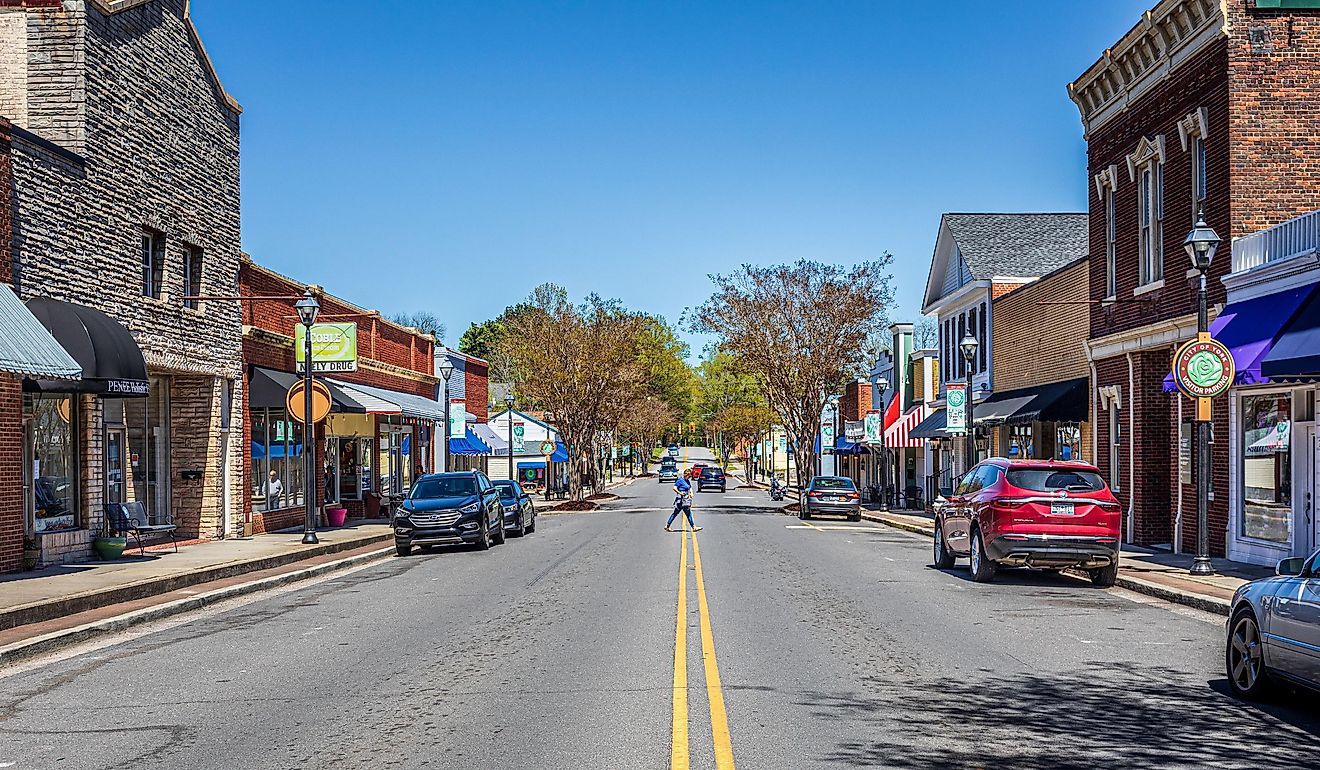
x: 27, y: 348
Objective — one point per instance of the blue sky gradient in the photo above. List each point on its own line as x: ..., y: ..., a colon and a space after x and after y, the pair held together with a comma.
x: 449, y: 156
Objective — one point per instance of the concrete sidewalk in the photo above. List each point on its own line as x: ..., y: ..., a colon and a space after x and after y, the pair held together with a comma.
x: 1154, y: 573
x: 57, y: 591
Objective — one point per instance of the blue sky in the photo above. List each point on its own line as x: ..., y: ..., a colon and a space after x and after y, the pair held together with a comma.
x: 449, y: 156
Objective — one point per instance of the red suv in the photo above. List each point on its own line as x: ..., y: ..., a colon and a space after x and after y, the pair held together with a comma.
x: 1030, y: 513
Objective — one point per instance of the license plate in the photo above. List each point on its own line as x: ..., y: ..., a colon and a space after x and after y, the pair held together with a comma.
x: 1061, y: 509
x: 838, y: 499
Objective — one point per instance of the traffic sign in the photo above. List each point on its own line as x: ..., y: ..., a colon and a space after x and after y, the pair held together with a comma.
x: 294, y: 401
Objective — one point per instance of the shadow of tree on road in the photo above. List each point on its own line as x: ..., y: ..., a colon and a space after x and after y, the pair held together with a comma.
x: 1116, y: 716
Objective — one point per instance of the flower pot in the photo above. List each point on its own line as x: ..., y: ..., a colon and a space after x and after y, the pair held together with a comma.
x: 110, y: 548
x: 31, y: 558
x: 336, y: 516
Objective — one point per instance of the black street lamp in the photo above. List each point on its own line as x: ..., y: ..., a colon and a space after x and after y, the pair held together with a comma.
x: 446, y: 371
x: 307, y: 308
x: 508, y: 401
x: 969, y: 344
x: 881, y: 386
x: 1201, y: 244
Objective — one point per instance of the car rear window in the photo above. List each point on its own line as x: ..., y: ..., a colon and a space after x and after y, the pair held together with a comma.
x: 711, y: 472
x: 505, y: 488
x: 832, y: 484
x: 1054, y: 479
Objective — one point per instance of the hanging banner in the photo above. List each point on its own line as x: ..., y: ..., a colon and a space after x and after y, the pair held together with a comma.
x: 334, y: 347
x: 457, y: 418
x: 872, y: 427
x: 519, y: 430
x: 854, y: 430
x: 955, y: 397
x: 827, y: 437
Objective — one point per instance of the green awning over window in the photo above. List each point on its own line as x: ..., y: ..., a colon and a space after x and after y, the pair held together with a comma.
x: 27, y: 348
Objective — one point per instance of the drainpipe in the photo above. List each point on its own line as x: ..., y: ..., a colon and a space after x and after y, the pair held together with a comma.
x: 1132, y: 450
x: 1178, y: 511
x: 1095, y: 415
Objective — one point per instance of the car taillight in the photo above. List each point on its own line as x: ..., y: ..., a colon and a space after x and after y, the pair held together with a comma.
x: 1008, y: 504
x: 814, y: 494
x: 1111, y: 507
x: 854, y: 495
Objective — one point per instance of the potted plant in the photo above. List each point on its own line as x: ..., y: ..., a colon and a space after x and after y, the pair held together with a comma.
x: 111, y: 542
x: 31, y: 552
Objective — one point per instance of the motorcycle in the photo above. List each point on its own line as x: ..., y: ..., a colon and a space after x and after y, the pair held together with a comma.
x: 776, y: 490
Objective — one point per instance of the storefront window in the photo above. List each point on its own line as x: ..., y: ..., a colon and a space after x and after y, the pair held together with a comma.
x: 395, y: 458
x: 1267, y: 467
x: 330, y: 469
x: 147, y: 421
x: 277, y: 460
x: 354, y: 453
x: 1068, y: 441
x: 54, y: 462
x: 1019, y: 441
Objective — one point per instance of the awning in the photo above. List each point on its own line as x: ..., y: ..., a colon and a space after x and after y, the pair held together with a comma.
x: 382, y: 401
x: 1067, y: 401
x: 561, y: 453
x: 491, y: 438
x: 469, y: 444
x: 934, y: 426
x: 111, y: 360
x: 27, y: 348
x: 842, y: 446
x: 1296, y: 354
x: 1249, y: 330
x: 899, y: 434
x: 532, y: 465
x: 267, y: 389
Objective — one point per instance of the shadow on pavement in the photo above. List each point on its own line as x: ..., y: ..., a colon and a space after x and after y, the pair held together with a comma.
x: 1114, y: 716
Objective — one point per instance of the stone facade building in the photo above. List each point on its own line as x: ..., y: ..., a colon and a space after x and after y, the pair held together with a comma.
x: 1202, y: 105
x: 125, y: 203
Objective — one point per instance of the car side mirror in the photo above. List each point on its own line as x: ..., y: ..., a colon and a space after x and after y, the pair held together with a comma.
x: 1291, y: 566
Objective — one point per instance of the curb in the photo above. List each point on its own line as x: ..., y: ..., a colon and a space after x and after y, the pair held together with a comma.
x: 1196, y: 601
x: 56, y: 639
x: 142, y: 589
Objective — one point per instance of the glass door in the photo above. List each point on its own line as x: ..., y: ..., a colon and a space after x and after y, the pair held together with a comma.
x: 115, y: 455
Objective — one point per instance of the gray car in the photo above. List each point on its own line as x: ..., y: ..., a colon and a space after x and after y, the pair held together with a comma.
x: 1274, y: 629
x: 835, y: 495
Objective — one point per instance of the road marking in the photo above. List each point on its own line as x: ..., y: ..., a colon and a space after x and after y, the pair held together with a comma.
x: 678, y: 749
x: 832, y: 528
x: 719, y: 718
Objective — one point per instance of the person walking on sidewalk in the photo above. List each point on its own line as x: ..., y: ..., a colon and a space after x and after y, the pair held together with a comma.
x: 682, y: 504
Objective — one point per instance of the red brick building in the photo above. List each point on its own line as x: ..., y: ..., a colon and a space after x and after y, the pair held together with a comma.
x: 1201, y: 105
x: 385, y: 416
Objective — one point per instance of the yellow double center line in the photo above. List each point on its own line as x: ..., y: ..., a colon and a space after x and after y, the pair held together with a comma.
x: 719, y: 719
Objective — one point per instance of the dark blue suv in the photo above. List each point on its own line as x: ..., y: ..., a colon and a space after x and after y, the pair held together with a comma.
x: 448, y: 509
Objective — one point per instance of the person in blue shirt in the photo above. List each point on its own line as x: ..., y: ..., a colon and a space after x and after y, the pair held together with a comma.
x: 682, y: 504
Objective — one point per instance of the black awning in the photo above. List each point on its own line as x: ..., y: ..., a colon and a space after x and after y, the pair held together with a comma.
x: 110, y: 358
x: 1067, y: 401
x: 1296, y: 354
x: 932, y: 427
x: 268, y: 387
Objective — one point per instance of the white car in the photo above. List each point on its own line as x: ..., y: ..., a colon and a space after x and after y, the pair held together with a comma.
x: 1274, y: 629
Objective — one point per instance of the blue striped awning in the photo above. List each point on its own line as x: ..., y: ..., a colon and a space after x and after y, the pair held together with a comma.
x: 29, y: 349
x: 469, y: 444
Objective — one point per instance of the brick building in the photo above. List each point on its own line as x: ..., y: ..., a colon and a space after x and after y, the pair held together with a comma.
x: 383, y: 424
x: 1201, y: 105
x: 125, y: 205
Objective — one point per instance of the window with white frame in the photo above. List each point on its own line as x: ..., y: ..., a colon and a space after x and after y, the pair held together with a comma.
x: 1111, y: 244
x: 1198, y: 177
x: 1150, y: 222
x: 1192, y: 132
x: 1115, y: 448
x: 153, y: 262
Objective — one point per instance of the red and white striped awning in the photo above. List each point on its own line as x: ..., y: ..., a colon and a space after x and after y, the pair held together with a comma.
x: 896, y: 435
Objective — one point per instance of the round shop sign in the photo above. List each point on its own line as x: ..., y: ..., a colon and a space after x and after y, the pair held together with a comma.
x: 547, y: 447
x: 1203, y: 368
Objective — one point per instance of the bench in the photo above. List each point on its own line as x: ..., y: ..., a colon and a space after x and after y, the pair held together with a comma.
x: 131, y: 519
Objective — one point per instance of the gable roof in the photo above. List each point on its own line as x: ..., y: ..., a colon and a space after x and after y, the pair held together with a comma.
x: 983, y: 247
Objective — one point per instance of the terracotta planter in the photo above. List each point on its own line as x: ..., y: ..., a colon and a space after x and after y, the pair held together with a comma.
x: 110, y: 548
x: 336, y: 516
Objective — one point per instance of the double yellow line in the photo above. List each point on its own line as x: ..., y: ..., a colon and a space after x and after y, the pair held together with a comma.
x: 719, y: 719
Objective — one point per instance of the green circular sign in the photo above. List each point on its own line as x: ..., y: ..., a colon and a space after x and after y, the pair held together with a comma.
x: 1203, y: 368
x: 955, y: 397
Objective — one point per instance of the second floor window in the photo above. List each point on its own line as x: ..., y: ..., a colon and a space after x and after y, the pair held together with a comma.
x: 1150, y: 215
x: 153, y: 263
x: 1111, y: 245
x: 1198, y: 176
x: 192, y: 276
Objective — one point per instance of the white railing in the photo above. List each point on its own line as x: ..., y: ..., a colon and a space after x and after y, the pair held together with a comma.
x: 1299, y: 235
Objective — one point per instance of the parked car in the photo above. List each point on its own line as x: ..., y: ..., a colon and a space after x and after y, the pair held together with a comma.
x: 668, y: 471
x: 519, y: 512
x: 835, y: 495
x: 712, y: 477
x: 1030, y: 513
x: 448, y: 509
x: 1273, y: 631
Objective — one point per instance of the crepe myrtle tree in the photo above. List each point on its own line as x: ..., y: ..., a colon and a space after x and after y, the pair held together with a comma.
x: 643, y: 422
x: 800, y: 329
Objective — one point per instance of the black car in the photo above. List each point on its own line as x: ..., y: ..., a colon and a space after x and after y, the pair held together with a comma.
x: 711, y: 477
x: 519, y: 513
x: 448, y: 509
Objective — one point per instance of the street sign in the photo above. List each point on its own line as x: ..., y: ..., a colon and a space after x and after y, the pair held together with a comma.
x: 294, y: 401
x: 1203, y: 368
x: 547, y: 447
x: 334, y: 347
x: 955, y: 397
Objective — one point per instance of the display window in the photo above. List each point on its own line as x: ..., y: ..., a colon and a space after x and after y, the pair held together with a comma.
x: 53, y: 458
x: 1267, y: 467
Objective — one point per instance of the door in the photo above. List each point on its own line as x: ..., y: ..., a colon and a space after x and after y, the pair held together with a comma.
x: 29, y: 498
x: 957, y: 514
x: 116, y: 454
x: 1304, y: 486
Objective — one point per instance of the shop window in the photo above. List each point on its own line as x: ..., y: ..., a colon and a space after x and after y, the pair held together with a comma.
x: 330, y: 469
x: 54, y: 458
x: 192, y: 276
x: 1267, y: 467
x: 1019, y: 441
x: 277, y: 460
x: 153, y: 262
x: 354, y: 467
x: 1068, y: 441
x: 148, y: 466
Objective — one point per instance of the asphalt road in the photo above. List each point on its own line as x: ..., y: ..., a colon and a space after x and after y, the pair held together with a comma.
x: 834, y: 645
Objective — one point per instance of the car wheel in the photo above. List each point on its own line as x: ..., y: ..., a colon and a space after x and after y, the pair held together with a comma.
x: 531, y: 527
x: 1244, y: 658
x: 402, y: 550
x: 983, y: 570
x: 522, y: 527
x: 943, y: 559
x: 805, y: 514
x: 855, y: 517
x: 499, y: 532
x: 1105, y: 577
x: 483, y: 538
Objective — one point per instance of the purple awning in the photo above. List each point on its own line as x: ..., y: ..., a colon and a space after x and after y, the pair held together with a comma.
x: 1249, y: 328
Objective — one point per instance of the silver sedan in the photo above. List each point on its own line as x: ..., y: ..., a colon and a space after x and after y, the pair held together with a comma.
x: 1274, y: 629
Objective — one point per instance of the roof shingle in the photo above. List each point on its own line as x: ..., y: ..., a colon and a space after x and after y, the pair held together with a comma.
x: 1019, y: 245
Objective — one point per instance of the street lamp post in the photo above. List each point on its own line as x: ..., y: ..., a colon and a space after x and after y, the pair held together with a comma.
x: 307, y: 308
x: 446, y: 371
x: 969, y: 344
x: 1201, y: 244
x: 508, y: 402
x: 882, y: 385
